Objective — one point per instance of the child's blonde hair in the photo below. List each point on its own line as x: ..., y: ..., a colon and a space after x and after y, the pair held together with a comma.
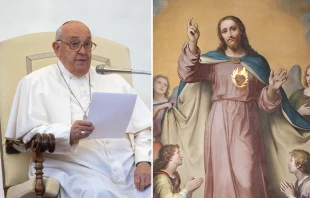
x: 302, y: 158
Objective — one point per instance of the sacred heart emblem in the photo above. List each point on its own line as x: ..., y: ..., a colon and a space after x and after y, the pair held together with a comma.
x: 239, y: 77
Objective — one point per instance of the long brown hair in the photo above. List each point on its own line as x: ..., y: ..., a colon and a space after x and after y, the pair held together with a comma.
x: 164, y: 156
x: 244, y: 39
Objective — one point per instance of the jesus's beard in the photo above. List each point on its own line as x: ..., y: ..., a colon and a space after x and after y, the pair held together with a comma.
x: 233, y: 44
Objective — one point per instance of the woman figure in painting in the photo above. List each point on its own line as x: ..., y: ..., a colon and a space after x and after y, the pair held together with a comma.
x: 161, y: 103
x: 166, y: 178
x: 300, y: 99
x: 233, y: 146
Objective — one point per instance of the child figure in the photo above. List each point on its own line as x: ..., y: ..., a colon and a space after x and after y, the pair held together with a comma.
x: 166, y: 178
x: 299, y: 165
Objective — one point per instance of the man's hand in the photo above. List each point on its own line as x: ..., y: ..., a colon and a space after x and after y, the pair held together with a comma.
x: 80, y: 129
x: 142, y: 176
x: 193, y: 33
x: 277, y: 80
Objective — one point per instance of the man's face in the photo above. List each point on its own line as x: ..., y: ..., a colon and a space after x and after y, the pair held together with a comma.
x: 75, y: 61
x: 292, y: 167
x: 231, y: 34
x: 177, y: 157
x: 160, y: 86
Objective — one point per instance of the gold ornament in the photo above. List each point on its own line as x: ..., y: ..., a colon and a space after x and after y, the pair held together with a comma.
x: 234, y: 60
x: 240, y: 77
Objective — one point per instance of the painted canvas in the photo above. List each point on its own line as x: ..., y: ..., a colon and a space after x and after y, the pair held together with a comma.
x: 238, y: 101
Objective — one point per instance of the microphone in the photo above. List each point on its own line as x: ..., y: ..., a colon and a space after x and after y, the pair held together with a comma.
x: 100, y: 69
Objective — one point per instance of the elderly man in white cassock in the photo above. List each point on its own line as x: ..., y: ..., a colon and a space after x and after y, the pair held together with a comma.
x: 56, y: 98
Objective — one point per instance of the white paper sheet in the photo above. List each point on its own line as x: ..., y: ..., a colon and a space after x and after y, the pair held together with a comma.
x: 110, y: 114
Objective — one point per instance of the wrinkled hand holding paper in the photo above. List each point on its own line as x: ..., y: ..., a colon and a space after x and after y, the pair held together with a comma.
x: 110, y: 114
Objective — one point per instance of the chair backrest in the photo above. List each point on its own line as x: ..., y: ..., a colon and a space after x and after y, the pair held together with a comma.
x: 21, y: 55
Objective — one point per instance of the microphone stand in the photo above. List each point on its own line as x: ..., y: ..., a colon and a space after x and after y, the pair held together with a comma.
x: 100, y: 69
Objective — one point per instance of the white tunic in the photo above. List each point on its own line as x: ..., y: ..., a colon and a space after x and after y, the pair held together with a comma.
x: 92, y: 168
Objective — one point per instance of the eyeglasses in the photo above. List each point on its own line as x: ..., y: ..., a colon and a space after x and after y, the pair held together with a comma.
x: 76, y: 46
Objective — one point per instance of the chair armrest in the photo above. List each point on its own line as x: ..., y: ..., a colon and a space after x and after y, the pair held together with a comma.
x: 38, y: 144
